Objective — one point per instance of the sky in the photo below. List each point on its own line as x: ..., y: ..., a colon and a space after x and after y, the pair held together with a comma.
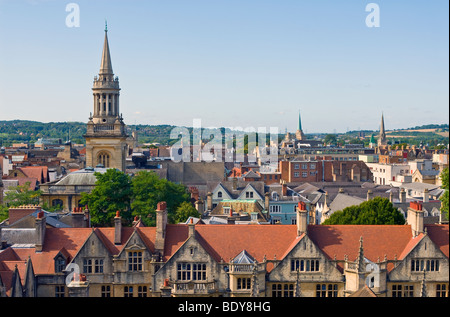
x: 231, y: 63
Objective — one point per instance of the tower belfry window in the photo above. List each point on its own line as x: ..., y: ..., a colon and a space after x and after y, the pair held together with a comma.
x: 103, y: 159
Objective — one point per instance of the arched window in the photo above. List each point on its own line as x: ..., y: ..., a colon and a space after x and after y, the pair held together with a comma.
x: 274, y: 196
x: 57, y: 202
x: 219, y: 194
x: 103, y: 158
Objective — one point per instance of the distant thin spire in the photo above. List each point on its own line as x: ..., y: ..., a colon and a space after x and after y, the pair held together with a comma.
x: 299, y: 121
x: 382, y: 137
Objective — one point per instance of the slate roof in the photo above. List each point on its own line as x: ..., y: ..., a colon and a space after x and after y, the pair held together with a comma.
x: 342, y: 201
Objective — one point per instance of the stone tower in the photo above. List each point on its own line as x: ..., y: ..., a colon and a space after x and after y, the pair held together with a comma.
x: 106, y: 138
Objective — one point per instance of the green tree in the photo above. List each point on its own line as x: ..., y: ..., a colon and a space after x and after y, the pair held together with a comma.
x: 330, y: 139
x: 4, y: 214
x: 112, y: 193
x: 184, y: 211
x: 22, y: 195
x: 148, y: 189
x: 444, y: 196
x: 377, y: 211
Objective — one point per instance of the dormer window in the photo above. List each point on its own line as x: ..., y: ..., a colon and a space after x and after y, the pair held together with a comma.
x: 274, y: 196
x: 60, y: 264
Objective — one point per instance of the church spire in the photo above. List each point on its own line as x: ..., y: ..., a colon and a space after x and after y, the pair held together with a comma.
x: 299, y: 134
x: 382, y: 137
x: 106, y: 65
x: 299, y: 121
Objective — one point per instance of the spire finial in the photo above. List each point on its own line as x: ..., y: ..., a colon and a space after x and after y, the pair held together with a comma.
x: 106, y: 26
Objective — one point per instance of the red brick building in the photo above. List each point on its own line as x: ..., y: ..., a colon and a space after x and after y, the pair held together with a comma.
x: 324, y: 170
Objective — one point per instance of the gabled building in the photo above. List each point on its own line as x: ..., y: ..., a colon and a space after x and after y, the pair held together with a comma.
x: 231, y: 260
x: 238, y: 200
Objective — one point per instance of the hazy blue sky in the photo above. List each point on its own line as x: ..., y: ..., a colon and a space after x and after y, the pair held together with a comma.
x: 249, y: 63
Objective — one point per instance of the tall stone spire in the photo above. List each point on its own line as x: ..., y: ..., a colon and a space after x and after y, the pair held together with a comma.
x: 106, y: 135
x: 106, y: 65
x: 382, y: 137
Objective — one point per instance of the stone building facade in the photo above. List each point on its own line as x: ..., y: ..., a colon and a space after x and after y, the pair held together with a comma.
x: 230, y: 260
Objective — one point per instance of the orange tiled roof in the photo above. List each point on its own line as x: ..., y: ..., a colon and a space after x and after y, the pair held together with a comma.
x: 227, y: 241
x: 439, y: 235
x: 378, y: 240
x: 38, y: 172
x: 7, y: 272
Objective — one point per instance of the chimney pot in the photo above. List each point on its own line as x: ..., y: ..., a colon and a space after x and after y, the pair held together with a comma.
x: 162, y: 205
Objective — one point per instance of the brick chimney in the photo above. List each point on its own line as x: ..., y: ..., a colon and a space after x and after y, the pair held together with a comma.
x: 302, y: 223
x: 415, y: 218
x: 78, y: 218
x: 161, y: 222
x: 41, y: 224
x: 284, y: 188
x: 17, y: 213
x: 117, y: 228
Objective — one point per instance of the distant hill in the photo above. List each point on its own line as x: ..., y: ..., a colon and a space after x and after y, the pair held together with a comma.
x: 23, y: 131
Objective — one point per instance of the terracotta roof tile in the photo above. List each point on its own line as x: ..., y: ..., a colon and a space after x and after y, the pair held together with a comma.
x: 176, y: 235
x: 227, y: 241
x: 439, y: 235
x: 378, y: 240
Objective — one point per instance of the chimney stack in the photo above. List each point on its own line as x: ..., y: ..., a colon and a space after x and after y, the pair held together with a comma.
x: 284, y: 189
x: 209, y: 201
x: 78, y: 218
x: 426, y: 196
x: 402, y: 195
x: 302, y: 223
x: 415, y: 218
x: 266, y: 201
x: 136, y: 220
x: 369, y: 195
x: 191, y: 228
x: 161, y: 222
x: 117, y: 228
x: 40, y: 231
x: 200, y: 206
